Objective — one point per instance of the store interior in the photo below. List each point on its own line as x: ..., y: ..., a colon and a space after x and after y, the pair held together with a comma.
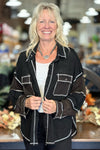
x: 82, y: 28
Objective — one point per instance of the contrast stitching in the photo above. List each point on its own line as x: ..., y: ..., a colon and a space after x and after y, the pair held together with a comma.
x: 78, y: 76
x: 60, y: 139
x: 72, y: 104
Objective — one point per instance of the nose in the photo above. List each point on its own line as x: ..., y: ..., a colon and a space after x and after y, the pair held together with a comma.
x: 46, y: 24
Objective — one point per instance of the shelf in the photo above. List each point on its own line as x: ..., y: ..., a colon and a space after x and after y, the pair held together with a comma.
x: 88, y: 137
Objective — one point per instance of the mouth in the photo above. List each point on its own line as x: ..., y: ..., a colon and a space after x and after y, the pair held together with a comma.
x: 47, y: 32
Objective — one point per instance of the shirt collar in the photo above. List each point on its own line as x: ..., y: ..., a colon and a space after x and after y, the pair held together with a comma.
x: 60, y: 52
x: 32, y: 53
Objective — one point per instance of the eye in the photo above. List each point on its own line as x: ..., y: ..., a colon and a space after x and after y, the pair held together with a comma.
x: 52, y: 21
x: 41, y: 21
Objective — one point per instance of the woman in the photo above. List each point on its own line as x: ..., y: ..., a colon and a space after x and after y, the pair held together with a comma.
x: 48, y: 87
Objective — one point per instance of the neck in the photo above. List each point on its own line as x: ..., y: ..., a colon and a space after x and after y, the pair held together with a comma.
x: 46, y: 46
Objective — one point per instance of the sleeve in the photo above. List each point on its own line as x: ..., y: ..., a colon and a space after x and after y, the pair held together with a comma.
x: 16, y: 94
x: 73, y: 102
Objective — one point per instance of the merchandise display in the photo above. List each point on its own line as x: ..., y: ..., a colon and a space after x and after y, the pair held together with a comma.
x: 9, y: 119
x: 90, y: 112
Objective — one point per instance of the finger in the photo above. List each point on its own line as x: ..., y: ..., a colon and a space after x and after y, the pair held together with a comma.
x: 48, y: 101
x: 35, y: 106
x: 35, y: 98
x: 46, y: 110
x: 33, y: 103
x: 46, y: 105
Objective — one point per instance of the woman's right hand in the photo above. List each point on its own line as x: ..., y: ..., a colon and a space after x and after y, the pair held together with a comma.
x: 33, y: 102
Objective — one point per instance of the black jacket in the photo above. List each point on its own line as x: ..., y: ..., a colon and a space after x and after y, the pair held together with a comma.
x: 64, y: 84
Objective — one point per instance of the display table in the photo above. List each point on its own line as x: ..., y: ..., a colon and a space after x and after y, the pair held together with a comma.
x: 88, y: 137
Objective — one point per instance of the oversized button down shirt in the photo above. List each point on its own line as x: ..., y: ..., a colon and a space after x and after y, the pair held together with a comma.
x: 64, y: 84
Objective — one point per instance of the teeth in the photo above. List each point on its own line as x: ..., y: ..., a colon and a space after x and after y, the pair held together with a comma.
x: 46, y: 32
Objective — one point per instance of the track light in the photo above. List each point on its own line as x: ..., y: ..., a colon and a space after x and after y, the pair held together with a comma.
x: 28, y: 21
x: 91, y: 12
x: 97, y: 1
x: 23, y: 13
x: 13, y: 3
x: 85, y: 19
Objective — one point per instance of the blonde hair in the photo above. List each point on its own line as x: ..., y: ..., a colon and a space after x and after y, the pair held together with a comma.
x: 34, y: 38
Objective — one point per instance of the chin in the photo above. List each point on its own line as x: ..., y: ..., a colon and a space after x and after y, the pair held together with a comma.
x: 47, y: 39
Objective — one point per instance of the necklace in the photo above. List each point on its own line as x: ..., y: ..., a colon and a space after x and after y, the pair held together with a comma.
x: 46, y: 56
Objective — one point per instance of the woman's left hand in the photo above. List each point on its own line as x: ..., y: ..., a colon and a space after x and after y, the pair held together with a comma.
x: 49, y: 106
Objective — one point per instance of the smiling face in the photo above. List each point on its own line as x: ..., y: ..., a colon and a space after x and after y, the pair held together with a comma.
x: 46, y: 25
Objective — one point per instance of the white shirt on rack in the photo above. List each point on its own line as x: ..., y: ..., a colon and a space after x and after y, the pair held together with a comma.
x: 41, y: 75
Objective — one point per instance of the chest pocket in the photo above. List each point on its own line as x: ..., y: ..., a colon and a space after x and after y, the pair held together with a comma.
x: 62, y: 85
x: 27, y: 85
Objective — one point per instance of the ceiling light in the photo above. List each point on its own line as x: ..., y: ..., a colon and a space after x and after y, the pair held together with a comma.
x: 85, y: 19
x: 66, y: 28
x: 28, y: 21
x: 91, y: 12
x: 13, y: 3
x: 23, y: 13
x: 97, y: 1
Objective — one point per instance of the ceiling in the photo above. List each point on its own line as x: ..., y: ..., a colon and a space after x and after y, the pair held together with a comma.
x: 70, y: 9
